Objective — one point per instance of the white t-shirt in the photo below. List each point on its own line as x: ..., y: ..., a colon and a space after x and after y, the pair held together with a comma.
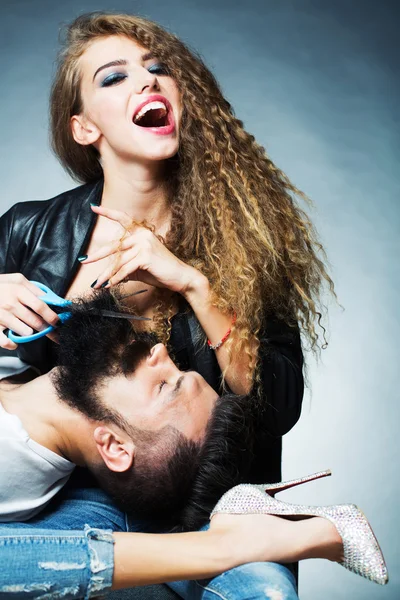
x: 30, y: 474
x: 11, y: 365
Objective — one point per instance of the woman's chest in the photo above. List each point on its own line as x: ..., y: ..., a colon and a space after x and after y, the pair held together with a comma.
x: 87, y: 275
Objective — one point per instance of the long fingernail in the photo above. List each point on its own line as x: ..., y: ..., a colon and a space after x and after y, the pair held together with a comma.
x: 93, y: 284
x: 82, y: 258
x: 105, y: 283
x: 93, y: 204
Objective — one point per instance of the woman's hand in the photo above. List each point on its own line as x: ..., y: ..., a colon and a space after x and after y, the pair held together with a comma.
x: 142, y: 257
x: 20, y: 308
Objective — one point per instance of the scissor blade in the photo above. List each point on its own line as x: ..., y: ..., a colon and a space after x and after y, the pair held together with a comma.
x: 133, y: 294
x: 117, y: 315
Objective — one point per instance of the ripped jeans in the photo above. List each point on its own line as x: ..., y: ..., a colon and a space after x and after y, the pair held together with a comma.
x: 67, y: 552
x: 45, y: 563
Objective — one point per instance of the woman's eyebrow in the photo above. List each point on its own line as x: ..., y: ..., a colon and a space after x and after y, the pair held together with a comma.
x: 114, y: 63
x: 146, y: 56
x: 122, y: 62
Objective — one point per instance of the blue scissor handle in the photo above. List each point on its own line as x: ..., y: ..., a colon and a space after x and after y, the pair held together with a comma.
x: 50, y: 297
x: 52, y: 300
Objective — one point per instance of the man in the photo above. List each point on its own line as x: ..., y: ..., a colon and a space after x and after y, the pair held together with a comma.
x: 161, y: 442
x: 118, y: 405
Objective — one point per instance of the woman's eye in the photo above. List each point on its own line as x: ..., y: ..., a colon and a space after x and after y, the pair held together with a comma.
x: 158, y: 69
x: 162, y: 383
x: 113, y: 79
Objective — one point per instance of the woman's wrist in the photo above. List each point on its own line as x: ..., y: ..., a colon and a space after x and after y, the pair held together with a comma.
x: 196, y: 291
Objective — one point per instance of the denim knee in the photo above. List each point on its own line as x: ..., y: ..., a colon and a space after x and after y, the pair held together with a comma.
x: 253, y: 581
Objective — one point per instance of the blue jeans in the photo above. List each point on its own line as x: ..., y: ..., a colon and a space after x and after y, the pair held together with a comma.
x: 67, y: 552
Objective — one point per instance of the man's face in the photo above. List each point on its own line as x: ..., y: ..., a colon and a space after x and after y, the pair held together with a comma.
x: 158, y: 394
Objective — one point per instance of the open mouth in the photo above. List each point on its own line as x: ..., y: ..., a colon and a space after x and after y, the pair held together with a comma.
x: 153, y: 114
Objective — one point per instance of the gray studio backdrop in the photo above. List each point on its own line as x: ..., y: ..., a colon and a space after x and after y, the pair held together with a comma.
x: 315, y: 82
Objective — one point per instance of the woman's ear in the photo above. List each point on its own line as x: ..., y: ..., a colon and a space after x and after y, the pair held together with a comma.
x: 84, y: 131
x: 115, y: 448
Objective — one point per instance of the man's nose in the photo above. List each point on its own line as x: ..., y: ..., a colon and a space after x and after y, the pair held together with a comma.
x: 158, y: 354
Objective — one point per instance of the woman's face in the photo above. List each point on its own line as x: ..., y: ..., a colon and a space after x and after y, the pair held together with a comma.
x: 131, y: 107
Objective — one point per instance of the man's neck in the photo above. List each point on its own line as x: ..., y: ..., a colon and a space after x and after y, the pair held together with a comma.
x: 49, y: 421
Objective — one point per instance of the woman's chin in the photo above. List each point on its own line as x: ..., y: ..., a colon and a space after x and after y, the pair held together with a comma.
x: 145, y: 154
x: 155, y: 154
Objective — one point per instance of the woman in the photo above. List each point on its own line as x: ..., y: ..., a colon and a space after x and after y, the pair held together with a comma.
x: 224, y: 252
x: 223, y: 207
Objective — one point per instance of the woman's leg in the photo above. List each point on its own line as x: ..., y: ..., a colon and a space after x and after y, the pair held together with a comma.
x: 256, y: 580
x: 141, y: 559
x: 74, y: 508
x: 66, y: 551
x: 43, y: 563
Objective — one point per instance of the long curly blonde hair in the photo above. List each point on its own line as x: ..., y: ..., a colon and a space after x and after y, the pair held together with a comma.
x: 233, y: 212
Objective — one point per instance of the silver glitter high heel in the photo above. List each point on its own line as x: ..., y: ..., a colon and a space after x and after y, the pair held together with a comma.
x: 362, y: 554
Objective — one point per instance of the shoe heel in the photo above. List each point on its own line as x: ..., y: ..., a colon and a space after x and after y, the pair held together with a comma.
x: 362, y: 554
x: 274, y: 488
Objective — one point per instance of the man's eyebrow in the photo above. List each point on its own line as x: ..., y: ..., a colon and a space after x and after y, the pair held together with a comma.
x: 177, y: 387
x: 122, y: 62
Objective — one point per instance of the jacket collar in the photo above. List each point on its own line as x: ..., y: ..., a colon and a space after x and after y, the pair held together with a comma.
x: 82, y: 227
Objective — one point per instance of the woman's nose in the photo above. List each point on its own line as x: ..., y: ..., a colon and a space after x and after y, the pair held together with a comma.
x: 148, y: 81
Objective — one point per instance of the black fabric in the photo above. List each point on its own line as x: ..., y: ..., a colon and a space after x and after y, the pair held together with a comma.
x: 156, y: 592
x: 42, y: 240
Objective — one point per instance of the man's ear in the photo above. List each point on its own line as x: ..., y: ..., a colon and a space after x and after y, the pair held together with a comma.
x: 115, y: 448
x: 84, y: 131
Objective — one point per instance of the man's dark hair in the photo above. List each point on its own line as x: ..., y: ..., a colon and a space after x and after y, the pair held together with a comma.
x: 94, y: 348
x: 172, y: 479
x: 181, y: 491
x: 225, y: 460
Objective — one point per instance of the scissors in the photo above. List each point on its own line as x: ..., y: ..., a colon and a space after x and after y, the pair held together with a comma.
x: 52, y: 299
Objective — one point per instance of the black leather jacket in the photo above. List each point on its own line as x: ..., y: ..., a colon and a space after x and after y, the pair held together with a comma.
x: 43, y: 239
